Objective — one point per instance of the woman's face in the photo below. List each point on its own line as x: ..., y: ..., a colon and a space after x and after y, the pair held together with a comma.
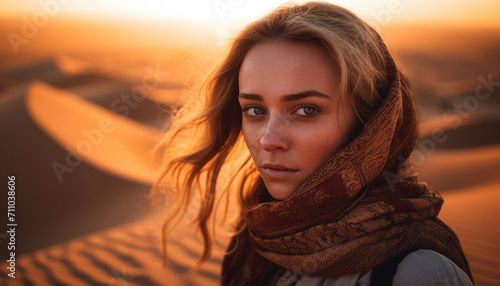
x: 292, y: 118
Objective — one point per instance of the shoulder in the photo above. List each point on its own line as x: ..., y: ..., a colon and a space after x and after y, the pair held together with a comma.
x: 427, y: 267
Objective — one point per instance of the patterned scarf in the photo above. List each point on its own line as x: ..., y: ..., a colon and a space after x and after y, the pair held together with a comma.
x: 356, y: 212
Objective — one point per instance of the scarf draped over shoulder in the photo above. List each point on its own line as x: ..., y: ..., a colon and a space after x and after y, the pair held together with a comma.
x: 360, y: 209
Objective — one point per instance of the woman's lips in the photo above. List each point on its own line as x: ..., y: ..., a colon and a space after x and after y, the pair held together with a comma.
x: 277, y: 172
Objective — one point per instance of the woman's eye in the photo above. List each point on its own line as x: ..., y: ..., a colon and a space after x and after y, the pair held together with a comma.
x: 307, y: 111
x: 254, y: 111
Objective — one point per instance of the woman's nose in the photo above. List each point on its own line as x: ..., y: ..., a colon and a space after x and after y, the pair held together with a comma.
x: 274, y: 137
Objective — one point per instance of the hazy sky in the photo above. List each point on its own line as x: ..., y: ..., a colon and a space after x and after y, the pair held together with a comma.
x: 224, y: 12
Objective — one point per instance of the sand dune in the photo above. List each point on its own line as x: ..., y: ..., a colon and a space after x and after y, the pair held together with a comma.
x: 474, y: 215
x: 47, y: 70
x: 76, y: 197
x: 64, y: 71
x: 152, y: 108
x: 144, y: 94
x: 479, y: 129
x: 463, y: 169
x: 103, y: 139
x: 470, y: 183
x: 81, y: 200
x: 124, y: 255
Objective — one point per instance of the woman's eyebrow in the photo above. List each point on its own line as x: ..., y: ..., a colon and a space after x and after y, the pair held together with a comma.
x: 304, y: 94
x: 287, y: 97
x: 250, y: 96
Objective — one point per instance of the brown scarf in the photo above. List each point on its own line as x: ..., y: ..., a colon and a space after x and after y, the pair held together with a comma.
x: 355, y: 213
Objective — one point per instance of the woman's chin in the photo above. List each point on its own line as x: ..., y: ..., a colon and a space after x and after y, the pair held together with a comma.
x: 280, y: 192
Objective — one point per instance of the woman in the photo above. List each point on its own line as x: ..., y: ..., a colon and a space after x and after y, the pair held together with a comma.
x: 325, y: 190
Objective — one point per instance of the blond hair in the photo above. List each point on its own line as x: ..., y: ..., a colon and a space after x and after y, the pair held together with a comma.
x: 206, y: 134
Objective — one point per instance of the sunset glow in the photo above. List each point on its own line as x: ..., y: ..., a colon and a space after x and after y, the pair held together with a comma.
x: 224, y: 12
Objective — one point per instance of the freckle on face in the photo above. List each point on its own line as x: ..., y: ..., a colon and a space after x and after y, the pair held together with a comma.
x: 286, y: 146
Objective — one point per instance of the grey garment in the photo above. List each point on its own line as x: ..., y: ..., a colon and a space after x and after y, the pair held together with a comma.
x: 429, y: 268
x: 356, y: 279
x: 419, y: 268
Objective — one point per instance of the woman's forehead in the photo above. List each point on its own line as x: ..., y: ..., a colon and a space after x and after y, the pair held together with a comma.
x: 287, y: 66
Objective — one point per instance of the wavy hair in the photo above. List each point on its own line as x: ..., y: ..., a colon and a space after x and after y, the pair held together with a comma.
x: 203, y: 154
